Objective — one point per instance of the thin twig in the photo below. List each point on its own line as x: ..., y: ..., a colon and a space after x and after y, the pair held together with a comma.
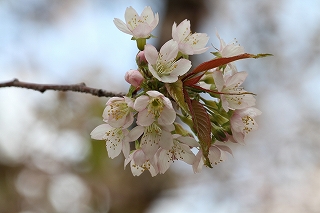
x: 81, y: 87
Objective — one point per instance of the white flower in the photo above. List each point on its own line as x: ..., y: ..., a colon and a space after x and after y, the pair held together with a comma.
x: 115, y: 139
x: 179, y: 151
x: 139, y: 163
x: 217, y: 154
x: 230, y: 86
x: 154, y: 107
x: 138, y: 26
x: 163, y: 65
x: 229, y: 50
x: 119, y: 112
x: 154, y: 136
x: 242, y: 122
x: 189, y: 43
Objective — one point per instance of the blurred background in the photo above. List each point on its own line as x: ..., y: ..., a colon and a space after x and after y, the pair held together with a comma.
x: 48, y: 163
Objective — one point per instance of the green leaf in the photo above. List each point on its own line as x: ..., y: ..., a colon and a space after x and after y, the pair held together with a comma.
x: 218, y: 132
x: 261, y: 55
x: 181, y: 131
x: 202, y: 126
x: 176, y: 92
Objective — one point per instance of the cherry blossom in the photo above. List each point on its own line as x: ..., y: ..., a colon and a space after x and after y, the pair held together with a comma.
x: 138, y: 26
x: 230, y: 86
x: 162, y: 89
x: 242, y: 122
x: 139, y: 163
x: 229, y: 50
x: 163, y: 65
x: 180, y: 151
x: 115, y: 139
x: 119, y: 112
x: 217, y: 154
x: 153, y: 137
x: 189, y: 43
x: 154, y: 107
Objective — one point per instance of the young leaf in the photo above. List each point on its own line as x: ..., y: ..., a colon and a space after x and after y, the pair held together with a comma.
x: 175, y: 91
x: 192, y: 78
x: 202, y: 126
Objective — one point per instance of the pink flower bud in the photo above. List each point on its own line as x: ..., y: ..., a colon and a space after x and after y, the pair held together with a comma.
x: 141, y: 59
x: 134, y: 77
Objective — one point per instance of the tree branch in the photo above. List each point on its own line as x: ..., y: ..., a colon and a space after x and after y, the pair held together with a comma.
x: 81, y: 87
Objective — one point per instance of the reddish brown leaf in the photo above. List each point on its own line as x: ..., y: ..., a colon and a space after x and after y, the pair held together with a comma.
x: 219, y: 62
x: 191, y: 79
x: 202, y: 126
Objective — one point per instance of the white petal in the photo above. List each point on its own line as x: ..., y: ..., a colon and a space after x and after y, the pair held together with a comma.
x: 135, y: 169
x: 164, y: 160
x: 185, y: 154
x: 198, y: 40
x: 168, y: 128
x: 131, y: 16
x: 175, y: 35
x: 139, y: 157
x: 190, y: 141
x: 168, y: 78
x: 141, y: 103
x: 154, y: 93
x: 169, y: 51
x: 121, y: 26
x: 167, y: 102
x: 166, y: 140
x: 198, y: 163
x: 100, y: 131
x: 167, y: 116
x: 238, y: 137
x: 218, y: 79
x: 143, y: 30
x: 149, y: 144
x: 186, y: 48
x: 135, y: 133
x: 125, y: 149
x: 147, y: 15
x: 151, y: 54
x: 183, y: 29
x: 145, y: 118
x: 232, y: 50
x: 155, y: 21
x: 214, y: 154
x: 183, y: 66
x: 155, y: 74
x: 236, y: 79
x: 114, y: 142
x: 225, y: 148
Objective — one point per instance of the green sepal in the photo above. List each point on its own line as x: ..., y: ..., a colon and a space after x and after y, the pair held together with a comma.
x: 131, y: 90
x: 140, y: 43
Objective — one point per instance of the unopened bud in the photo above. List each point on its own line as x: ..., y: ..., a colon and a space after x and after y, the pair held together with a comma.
x: 141, y: 59
x: 134, y: 77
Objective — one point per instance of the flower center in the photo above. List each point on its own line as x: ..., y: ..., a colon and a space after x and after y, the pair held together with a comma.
x: 164, y: 67
x: 248, y: 123
x: 155, y: 106
x: 118, y: 110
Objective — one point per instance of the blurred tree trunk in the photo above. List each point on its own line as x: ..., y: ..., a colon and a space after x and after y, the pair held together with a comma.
x: 177, y: 11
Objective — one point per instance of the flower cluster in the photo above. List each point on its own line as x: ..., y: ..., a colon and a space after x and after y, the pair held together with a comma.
x: 173, y: 112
